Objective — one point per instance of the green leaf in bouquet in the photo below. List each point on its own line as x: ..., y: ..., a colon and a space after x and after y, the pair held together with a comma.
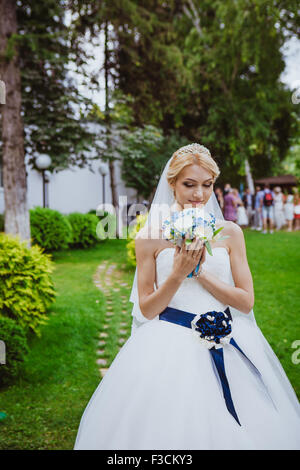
x: 217, y: 231
x: 208, y: 247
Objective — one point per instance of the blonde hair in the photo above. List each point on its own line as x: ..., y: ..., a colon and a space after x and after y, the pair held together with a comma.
x: 190, y: 155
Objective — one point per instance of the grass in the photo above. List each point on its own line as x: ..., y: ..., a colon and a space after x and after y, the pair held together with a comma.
x: 274, y: 261
x: 45, y: 405
x: 60, y: 374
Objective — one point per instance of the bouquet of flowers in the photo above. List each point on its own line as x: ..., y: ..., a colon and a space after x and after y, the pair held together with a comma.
x: 189, y: 224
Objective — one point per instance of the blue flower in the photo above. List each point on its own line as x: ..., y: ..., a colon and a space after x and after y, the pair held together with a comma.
x: 213, y: 328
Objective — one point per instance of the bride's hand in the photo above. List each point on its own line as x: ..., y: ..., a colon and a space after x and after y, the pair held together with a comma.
x: 186, y: 258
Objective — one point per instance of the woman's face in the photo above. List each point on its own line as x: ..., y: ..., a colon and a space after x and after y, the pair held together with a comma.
x: 193, y: 187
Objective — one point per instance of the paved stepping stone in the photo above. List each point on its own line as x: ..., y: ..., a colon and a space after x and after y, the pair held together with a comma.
x: 102, y: 362
x: 102, y: 371
x: 100, y: 352
x: 101, y: 343
x: 105, y: 327
x: 109, y: 314
x: 121, y: 340
x: 123, y: 323
x: 123, y: 332
x: 103, y: 335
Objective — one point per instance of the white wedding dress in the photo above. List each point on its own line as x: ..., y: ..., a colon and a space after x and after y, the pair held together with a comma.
x: 161, y: 391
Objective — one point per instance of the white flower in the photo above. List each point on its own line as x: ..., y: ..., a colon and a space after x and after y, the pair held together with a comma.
x: 167, y: 232
x: 208, y: 232
x: 205, y: 232
x: 182, y: 224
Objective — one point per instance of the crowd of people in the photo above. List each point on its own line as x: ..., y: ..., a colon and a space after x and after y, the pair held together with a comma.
x: 267, y: 209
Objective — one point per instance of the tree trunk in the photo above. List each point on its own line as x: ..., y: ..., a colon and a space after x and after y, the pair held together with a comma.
x: 108, y: 121
x: 108, y: 126
x: 249, y: 178
x: 14, y: 172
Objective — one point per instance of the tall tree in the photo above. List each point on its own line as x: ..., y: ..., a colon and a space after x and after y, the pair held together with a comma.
x: 14, y: 172
x: 244, y: 112
x: 209, y: 68
x: 43, y: 104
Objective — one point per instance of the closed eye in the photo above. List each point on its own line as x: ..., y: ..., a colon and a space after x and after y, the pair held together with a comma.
x: 191, y: 185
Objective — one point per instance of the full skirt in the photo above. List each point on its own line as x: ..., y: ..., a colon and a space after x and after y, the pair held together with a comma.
x: 161, y: 392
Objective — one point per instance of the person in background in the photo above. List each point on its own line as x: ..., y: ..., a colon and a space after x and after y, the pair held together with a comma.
x: 227, y: 188
x: 289, y: 210
x: 257, y: 206
x: 242, y: 219
x: 220, y: 198
x: 297, y: 209
x: 249, y: 204
x: 267, y: 205
x: 279, y: 217
x: 230, y: 206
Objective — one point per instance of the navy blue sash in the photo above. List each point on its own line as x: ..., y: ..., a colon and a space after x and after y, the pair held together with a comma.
x: 180, y: 317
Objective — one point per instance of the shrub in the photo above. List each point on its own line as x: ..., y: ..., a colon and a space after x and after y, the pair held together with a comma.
x: 84, y: 229
x: 26, y: 288
x: 107, y: 228
x: 16, y: 349
x: 49, y: 229
x: 140, y: 222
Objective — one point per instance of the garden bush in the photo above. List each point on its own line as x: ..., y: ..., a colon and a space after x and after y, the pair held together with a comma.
x: 130, y: 246
x: 107, y: 228
x: 26, y: 287
x: 49, y: 229
x: 16, y: 348
x: 84, y: 229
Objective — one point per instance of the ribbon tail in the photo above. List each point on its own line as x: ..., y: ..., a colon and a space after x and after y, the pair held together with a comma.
x: 218, y: 358
x: 255, y: 370
x: 196, y: 270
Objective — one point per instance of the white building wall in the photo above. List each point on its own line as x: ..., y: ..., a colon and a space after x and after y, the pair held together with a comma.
x: 74, y: 189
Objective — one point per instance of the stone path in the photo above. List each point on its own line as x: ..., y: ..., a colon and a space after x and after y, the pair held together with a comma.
x: 107, y: 278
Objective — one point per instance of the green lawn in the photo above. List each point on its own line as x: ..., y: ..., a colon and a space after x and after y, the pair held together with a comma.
x: 60, y: 374
x: 275, y: 265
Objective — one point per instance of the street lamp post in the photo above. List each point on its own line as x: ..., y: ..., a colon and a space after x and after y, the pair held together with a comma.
x: 43, y: 162
x: 103, y: 171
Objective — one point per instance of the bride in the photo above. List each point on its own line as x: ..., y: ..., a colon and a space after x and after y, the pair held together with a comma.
x: 165, y: 390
